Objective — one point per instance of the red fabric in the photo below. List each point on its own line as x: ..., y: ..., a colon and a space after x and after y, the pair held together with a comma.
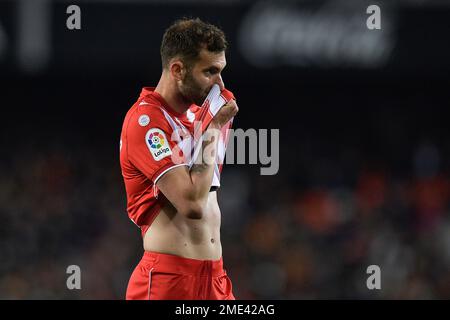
x: 204, y: 113
x: 139, y: 168
x: 161, y: 276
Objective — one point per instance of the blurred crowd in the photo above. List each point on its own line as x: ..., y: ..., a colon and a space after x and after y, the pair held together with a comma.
x: 284, y: 236
x: 316, y: 241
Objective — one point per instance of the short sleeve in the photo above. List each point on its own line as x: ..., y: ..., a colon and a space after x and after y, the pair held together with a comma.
x: 152, y: 147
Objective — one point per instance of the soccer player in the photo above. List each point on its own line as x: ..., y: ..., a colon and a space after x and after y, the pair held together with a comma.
x: 173, y: 200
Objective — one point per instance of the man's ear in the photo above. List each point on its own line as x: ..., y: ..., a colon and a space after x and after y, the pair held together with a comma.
x: 177, y: 69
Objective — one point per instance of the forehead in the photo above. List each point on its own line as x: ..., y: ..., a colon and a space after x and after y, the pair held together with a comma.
x: 209, y: 59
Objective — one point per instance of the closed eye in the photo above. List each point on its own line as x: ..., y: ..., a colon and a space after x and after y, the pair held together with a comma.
x: 211, y: 71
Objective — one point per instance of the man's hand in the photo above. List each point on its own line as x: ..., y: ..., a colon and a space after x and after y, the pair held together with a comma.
x: 228, y: 111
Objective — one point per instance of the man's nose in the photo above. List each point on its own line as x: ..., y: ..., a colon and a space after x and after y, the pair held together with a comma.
x: 219, y: 81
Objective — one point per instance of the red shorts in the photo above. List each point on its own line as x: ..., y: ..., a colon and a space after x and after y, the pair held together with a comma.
x: 161, y: 276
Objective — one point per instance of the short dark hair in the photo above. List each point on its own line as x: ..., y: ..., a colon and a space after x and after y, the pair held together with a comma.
x: 186, y: 37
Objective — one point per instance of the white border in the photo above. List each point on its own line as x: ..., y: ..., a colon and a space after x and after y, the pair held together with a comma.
x: 170, y: 168
x: 149, y: 282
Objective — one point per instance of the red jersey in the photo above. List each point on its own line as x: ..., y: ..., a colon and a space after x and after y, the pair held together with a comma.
x: 155, y: 139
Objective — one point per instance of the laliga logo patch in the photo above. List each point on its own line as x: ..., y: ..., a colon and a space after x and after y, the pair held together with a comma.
x: 144, y: 120
x: 157, y: 144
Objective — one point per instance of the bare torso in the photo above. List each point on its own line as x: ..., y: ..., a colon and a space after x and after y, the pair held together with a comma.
x: 175, y: 234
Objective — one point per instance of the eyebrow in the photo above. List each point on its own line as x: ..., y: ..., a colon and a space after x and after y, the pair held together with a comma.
x: 213, y: 67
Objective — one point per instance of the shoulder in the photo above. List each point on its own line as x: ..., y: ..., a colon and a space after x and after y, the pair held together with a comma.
x: 143, y: 116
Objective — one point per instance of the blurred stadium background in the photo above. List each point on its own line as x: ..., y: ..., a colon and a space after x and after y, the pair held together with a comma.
x: 364, y: 145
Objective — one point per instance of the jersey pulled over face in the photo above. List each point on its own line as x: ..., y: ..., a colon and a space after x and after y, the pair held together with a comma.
x: 154, y: 140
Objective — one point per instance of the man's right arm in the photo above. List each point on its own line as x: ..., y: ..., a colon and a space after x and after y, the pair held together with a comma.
x: 187, y: 189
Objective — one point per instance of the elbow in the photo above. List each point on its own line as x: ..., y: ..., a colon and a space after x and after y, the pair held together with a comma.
x: 193, y: 211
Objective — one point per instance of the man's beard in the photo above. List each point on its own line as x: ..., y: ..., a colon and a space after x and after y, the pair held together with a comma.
x: 191, y: 90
